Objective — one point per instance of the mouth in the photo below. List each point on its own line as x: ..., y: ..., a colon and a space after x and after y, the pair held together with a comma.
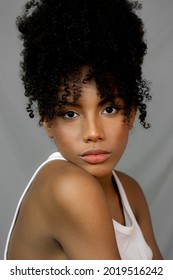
x: 95, y: 156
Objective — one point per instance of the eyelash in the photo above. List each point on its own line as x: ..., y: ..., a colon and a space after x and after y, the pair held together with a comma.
x: 114, y: 108
x: 64, y: 115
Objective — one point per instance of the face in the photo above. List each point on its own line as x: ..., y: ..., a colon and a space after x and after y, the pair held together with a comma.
x: 92, y: 133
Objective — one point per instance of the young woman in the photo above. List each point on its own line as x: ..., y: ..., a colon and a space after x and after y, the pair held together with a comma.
x: 82, y: 69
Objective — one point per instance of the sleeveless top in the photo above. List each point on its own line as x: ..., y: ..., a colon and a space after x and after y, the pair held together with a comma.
x: 130, y: 240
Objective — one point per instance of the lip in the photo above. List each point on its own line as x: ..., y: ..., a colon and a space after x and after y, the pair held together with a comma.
x: 95, y: 156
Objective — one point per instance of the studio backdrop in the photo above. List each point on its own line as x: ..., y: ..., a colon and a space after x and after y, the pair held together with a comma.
x: 149, y: 155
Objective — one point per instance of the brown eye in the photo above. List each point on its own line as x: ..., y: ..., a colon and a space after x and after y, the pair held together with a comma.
x: 109, y: 110
x: 70, y: 115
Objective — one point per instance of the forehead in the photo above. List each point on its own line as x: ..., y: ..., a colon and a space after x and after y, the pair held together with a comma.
x: 78, y: 82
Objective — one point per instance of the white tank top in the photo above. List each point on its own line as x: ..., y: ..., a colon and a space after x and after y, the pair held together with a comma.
x: 130, y: 240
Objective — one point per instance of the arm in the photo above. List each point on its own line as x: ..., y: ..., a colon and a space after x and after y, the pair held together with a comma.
x: 141, y: 212
x: 79, y: 217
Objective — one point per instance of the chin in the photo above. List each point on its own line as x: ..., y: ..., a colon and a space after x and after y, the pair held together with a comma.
x: 99, y: 171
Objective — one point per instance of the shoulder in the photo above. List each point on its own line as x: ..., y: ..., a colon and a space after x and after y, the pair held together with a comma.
x: 61, y: 178
x: 66, y: 192
x: 66, y: 175
x: 66, y: 205
x: 64, y: 188
x: 76, y: 211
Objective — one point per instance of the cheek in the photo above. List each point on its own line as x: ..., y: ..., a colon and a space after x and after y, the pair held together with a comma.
x: 63, y: 134
x: 119, y: 130
x: 119, y: 137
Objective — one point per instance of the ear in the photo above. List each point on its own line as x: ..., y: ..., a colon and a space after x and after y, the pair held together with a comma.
x: 48, y: 128
x: 132, y: 118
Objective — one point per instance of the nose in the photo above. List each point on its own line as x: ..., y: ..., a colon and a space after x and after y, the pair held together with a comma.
x: 92, y: 130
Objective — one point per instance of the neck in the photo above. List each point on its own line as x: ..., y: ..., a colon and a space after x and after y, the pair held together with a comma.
x: 106, y: 184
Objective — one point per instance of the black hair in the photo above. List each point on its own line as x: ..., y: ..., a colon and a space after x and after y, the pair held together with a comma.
x: 61, y: 36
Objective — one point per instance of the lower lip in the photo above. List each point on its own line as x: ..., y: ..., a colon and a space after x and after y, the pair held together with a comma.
x: 94, y: 159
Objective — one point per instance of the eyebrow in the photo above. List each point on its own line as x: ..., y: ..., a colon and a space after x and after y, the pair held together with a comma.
x: 105, y: 100
x: 102, y: 102
x: 73, y: 104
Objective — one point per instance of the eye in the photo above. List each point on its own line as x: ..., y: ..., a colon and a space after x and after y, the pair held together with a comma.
x: 70, y: 115
x: 110, y: 110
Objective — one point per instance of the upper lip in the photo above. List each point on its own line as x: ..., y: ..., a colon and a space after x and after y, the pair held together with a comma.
x: 94, y: 152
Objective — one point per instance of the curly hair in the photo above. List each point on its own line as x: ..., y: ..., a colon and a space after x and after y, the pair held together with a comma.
x: 61, y: 36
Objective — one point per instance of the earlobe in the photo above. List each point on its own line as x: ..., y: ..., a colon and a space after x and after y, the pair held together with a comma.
x: 130, y: 126
x: 48, y: 128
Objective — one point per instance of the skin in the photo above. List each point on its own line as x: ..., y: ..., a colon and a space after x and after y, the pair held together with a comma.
x: 67, y: 212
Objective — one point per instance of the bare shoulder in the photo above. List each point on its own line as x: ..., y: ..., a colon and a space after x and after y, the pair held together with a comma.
x: 64, y: 180
x: 70, y: 189
x: 63, y: 185
x: 76, y: 212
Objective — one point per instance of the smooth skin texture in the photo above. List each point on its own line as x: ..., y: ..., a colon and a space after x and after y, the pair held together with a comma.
x: 67, y: 212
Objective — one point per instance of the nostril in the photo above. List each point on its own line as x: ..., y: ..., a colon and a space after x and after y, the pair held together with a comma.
x: 92, y: 135
x: 92, y: 129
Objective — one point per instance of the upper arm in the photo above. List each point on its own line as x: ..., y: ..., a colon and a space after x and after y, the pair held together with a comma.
x: 141, y: 211
x: 80, y: 219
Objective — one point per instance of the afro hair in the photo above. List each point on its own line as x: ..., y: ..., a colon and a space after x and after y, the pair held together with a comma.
x: 61, y: 36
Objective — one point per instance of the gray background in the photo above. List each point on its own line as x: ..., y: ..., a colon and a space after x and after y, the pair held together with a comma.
x: 149, y: 155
